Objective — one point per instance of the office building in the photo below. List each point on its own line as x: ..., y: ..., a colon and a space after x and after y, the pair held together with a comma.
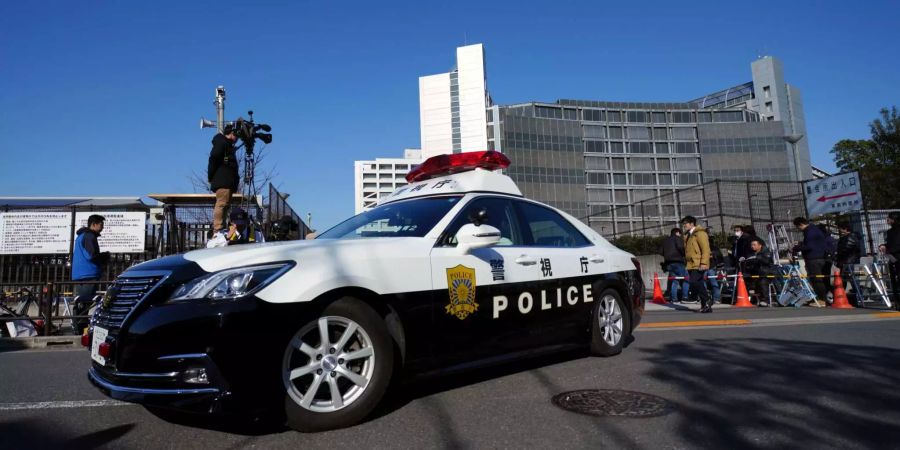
x: 381, y: 176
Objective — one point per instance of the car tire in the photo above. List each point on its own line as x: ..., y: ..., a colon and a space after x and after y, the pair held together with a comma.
x: 610, y: 324
x: 354, y: 367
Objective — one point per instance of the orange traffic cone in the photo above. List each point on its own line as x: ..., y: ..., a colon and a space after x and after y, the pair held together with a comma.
x: 840, y: 296
x: 743, y: 297
x: 657, y: 291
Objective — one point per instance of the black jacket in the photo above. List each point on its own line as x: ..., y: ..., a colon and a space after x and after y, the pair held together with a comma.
x: 760, y: 263
x: 815, y: 244
x: 673, y: 249
x: 740, y: 247
x: 848, y: 250
x: 222, y: 172
x: 892, y: 241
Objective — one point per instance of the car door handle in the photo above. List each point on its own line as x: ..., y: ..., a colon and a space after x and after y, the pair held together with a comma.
x: 597, y: 259
x: 526, y: 260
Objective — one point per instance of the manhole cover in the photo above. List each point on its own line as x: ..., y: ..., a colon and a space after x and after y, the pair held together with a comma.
x: 607, y: 402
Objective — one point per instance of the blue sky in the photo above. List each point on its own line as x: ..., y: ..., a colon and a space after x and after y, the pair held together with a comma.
x: 104, y: 98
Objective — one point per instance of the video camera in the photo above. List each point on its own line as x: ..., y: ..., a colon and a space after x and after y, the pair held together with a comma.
x: 248, y: 132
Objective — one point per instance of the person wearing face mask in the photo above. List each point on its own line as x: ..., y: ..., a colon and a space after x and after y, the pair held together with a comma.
x: 740, y: 245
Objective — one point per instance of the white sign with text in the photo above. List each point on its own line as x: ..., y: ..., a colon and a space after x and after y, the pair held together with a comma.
x: 30, y: 233
x: 835, y: 194
x: 123, y: 231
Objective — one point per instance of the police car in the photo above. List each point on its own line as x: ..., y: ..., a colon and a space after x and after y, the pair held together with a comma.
x: 452, y: 271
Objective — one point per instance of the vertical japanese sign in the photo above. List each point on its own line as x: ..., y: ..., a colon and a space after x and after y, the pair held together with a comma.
x: 30, y: 233
x: 834, y: 194
x: 123, y: 231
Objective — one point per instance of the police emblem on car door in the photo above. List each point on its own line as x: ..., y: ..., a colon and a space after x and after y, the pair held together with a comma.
x: 461, y: 285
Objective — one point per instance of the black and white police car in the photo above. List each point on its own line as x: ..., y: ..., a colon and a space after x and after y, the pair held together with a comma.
x: 452, y: 271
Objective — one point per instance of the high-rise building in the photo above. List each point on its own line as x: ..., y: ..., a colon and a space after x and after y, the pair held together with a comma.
x: 381, y: 176
x: 452, y: 106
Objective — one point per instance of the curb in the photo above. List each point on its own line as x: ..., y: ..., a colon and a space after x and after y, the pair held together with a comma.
x: 40, y: 342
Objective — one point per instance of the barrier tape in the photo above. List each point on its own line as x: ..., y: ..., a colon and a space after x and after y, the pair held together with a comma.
x: 721, y: 277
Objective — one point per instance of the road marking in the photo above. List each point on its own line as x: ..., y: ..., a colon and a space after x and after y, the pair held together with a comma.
x: 772, y: 321
x: 63, y: 404
x: 696, y: 323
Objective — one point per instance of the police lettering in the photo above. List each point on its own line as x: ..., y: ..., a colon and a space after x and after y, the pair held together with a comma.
x: 526, y: 300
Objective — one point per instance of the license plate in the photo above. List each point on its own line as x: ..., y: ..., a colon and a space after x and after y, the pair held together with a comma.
x: 99, y: 338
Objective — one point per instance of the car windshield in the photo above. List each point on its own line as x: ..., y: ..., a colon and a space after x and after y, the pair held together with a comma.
x: 411, y: 218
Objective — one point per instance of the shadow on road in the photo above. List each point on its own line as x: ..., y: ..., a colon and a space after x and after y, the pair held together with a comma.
x: 771, y: 393
x: 36, y: 433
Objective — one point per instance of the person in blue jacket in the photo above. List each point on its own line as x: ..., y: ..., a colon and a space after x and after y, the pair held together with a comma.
x: 87, y: 265
x: 815, y: 247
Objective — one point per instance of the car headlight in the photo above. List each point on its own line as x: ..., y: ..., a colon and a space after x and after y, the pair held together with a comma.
x: 231, y: 283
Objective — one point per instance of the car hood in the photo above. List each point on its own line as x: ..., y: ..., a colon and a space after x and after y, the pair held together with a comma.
x: 221, y: 258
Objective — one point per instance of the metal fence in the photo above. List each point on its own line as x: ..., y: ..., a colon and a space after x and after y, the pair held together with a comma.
x: 720, y: 205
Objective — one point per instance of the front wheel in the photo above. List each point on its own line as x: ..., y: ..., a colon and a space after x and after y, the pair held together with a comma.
x: 337, y: 367
x: 610, y: 325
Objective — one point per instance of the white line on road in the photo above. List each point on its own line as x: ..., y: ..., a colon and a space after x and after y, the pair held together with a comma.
x: 63, y: 404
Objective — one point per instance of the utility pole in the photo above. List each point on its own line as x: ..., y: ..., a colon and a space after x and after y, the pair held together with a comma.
x: 220, y: 108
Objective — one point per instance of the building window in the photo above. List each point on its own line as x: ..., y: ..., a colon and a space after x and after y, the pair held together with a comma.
x: 688, y: 178
x: 619, y: 179
x: 639, y: 147
x: 766, y: 92
x: 685, y: 147
x: 663, y: 164
x: 643, y: 179
x: 595, y: 163
x: 598, y: 195
x: 637, y: 116
x: 659, y: 117
x: 683, y: 133
x: 594, y: 115
x: 640, y: 164
x: 665, y: 179
x: 614, y: 116
x: 662, y: 147
x: 660, y: 133
x: 597, y: 178
x: 770, y: 118
x: 704, y: 117
x: 595, y: 146
x: 616, y: 147
x: 618, y: 163
x: 728, y: 116
x: 769, y: 107
x: 621, y: 196
x: 616, y: 133
x: 687, y: 164
x: 594, y: 131
x: 638, y: 133
x: 681, y: 117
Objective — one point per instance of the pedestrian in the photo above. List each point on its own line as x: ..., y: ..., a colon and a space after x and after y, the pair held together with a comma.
x: 88, y: 263
x: 760, y: 266
x: 847, y: 253
x: 814, y: 248
x: 716, y: 262
x: 892, y: 248
x: 740, y: 245
x: 672, y: 252
x: 222, y: 174
x: 696, y: 255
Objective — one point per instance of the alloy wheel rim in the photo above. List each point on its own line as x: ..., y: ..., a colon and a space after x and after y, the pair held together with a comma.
x: 328, y: 364
x: 610, y: 320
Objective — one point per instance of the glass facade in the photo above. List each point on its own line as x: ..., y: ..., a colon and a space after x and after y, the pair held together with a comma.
x: 613, y: 165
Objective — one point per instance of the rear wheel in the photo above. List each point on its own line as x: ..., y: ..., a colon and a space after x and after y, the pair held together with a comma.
x: 611, y: 324
x: 337, y: 367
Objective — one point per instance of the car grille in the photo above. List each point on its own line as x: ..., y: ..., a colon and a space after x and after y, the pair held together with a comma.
x: 121, y: 297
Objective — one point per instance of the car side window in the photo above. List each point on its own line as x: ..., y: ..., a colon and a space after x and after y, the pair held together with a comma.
x: 547, y: 228
x: 500, y: 214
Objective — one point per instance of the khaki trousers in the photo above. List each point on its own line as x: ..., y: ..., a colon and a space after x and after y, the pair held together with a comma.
x: 223, y: 199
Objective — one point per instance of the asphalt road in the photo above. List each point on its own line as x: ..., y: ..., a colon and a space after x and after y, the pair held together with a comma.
x: 822, y: 380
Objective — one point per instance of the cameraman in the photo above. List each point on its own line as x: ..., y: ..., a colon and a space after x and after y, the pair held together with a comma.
x: 222, y: 174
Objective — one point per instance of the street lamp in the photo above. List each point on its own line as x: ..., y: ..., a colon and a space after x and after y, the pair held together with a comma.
x: 793, y: 139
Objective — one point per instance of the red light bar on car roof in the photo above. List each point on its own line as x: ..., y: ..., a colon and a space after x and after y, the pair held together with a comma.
x: 441, y: 165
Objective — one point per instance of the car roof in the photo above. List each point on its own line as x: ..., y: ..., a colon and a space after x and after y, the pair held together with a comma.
x: 477, y: 180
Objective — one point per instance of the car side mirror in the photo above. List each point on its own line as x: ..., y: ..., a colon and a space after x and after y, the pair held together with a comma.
x: 471, y: 237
